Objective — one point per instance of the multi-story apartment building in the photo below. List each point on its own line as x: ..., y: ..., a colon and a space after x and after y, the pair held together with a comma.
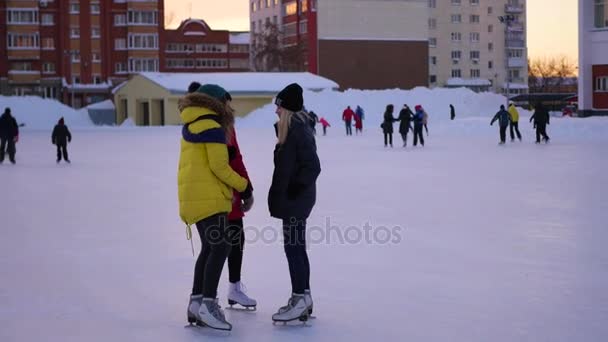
x: 262, y: 12
x: 479, y: 44
x: 357, y: 43
x: 593, y: 57
x: 195, y: 47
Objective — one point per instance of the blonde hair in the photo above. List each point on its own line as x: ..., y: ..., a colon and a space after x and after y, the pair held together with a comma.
x: 285, y: 123
x: 228, y: 122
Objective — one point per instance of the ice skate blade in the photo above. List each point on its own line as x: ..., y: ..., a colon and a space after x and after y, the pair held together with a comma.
x: 240, y: 307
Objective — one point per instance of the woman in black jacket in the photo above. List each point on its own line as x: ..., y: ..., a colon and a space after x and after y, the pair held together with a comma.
x: 405, y: 119
x: 292, y: 195
x: 387, y: 125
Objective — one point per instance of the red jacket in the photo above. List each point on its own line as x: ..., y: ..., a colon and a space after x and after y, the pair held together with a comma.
x: 236, y: 163
x: 348, y: 114
x: 324, y: 122
x: 358, y: 122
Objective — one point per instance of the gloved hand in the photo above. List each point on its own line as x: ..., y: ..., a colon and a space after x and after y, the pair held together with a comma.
x: 247, y: 204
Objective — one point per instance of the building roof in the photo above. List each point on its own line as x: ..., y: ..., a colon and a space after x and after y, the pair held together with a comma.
x: 241, y: 82
x: 239, y: 37
x: 468, y: 82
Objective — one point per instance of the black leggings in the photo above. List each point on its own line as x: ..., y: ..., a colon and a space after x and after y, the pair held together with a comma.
x: 418, y: 135
x: 237, y: 244
x: 214, y: 250
x: 388, y: 139
x: 294, y: 240
x: 62, y: 150
x: 7, y: 145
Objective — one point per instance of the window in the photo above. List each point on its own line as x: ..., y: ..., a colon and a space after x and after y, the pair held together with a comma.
x: 432, y: 23
x: 456, y: 36
x: 74, y: 8
x: 268, y: 3
x: 76, y: 79
x: 95, y: 32
x: 120, y: 68
x: 276, y: 2
x: 291, y: 8
x: 142, y: 17
x: 97, y: 79
x: 303, y: 27
x: 456, y: 2
x: 433, y: 60
x: 76, y: 57
x: 456, y: 73
x: 433, y: 79
x: 48, y: 43
x: 490, y: 47
x: 475, y: 73
x: 275, y: 20
x: 474, y: 19
x: 75, y: 32
x: 120, y: 19
x: 490, y: 65
x: 49, y: 92
x: 474, y: 37
x: 474, y: 2
x: 456, y: 18
x: 21, y: 66
x: 432, y: 42
x: 143, y: 41
x: 96, y: 57
x: 22, y: 17
x: 254, y: 6
x: 143, y: 64
x: 456, y: 54
x: 211, y: 63
x: 474, y: 54
x: 490, y: 10
x: 23, y: 41
x: 253, y: 26
x: 432, y: 3
x: 490, y: 28
x: 513, y: 53
x: 120, y: 44
x: 48, y: 19
x: 601, y: 13
x: 95, y: 9
x: 213, y: 48
x: 48, y: 68
x: 601, y: 84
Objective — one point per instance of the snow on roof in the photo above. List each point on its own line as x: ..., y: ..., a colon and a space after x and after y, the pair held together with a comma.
x: 107, y: 104
x: 240, y: 38
x: 516, y: 85
x: 118, y: 87
x: 241, y: 82
x: 475, y: 82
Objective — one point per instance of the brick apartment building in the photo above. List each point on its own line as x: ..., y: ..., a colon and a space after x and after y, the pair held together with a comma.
x: 77, y: 50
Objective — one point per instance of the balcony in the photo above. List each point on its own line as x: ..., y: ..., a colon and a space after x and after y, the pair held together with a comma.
x: 23, y: 54
x: 517, y: 62
x: 516, y: 27
x: 515, y: 43
x: 519, y: 8
x: 23, y: 77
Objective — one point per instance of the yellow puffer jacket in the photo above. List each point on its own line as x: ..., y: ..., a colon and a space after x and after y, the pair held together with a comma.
x: 205, y: 179
x: 514, y: 114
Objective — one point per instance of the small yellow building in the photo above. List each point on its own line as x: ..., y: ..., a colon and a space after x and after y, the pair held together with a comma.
x: 150, y: 99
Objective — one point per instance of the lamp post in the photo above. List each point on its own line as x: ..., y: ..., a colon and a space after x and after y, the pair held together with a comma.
x: 507, y: 20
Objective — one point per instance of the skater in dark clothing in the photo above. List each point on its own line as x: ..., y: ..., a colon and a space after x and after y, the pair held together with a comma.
x: 9, y: 135
x: 418, y: 125
x: 503, y: 119
x: 541, y: 120
x: 405, y: 120
x: 514, y: 126
x: 387, y: 125
x: 292, y: 196
x: 452, y: 112
x: 313, y: 121
x: 61, y: 137
x: 348, y: 117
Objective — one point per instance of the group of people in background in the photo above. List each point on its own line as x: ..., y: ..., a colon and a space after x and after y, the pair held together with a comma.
x: 215, y: 191
x: 358, y: 115
x: 510, y: 118
x: 406, y: 118
x: 9, y: 136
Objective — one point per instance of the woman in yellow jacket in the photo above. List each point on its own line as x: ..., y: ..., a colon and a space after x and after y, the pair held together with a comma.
x: 205, y: 186
x: 514, y: 114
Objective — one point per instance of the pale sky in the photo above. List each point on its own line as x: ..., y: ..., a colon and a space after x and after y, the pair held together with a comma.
x: 552, y: 24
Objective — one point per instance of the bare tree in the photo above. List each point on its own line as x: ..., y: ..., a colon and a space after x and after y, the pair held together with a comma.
x: 169, y: 18
x: 545, y: 74
x: 271, y: 54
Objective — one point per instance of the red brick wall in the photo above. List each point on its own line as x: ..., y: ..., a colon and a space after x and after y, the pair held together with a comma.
x: 600, y: 99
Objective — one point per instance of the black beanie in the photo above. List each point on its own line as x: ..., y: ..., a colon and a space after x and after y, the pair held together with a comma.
x: 193, y: 87
x: 291, y: 98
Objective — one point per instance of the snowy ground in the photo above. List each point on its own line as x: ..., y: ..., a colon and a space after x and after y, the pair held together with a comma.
x: 495, y: 243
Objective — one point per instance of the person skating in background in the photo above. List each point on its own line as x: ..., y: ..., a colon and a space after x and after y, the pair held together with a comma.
x: 241, y: 203
x: 503, y: 120
x: 514, y: 126
x: 405, y: 120
x: 205, y: 185
x: 9, y: 135
x: 347, y: 117
x: 325, y: 124
x: 314, y: 118
x: 61, y: 137
x: 292, y: 196
x: 358, y: 124
x: 425, y: 121
x: 541, y: 120
x: 418, y: 125
x: 452, y: 112
x: 387, y: 125
x: 359, y: 113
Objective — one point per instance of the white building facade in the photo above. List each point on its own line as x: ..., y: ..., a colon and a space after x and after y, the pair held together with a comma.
x: 480, y: 44
x: 593, y: 57
x: 262, y: 12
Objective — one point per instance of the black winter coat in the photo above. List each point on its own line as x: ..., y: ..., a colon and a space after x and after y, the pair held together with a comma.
x: 387, y: 124
x: 405, y: 118
x: 293, y: 191
x: 452, y: 112
x: 8, y: 127
x: 540, y: 116
x: 61, y: 135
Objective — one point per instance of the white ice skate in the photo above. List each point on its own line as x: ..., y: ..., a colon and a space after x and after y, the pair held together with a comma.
x: 237, y: 295
x: 309, y: 304
x: 193, y: 306
x: 296, y: 309
x: 211, y: 315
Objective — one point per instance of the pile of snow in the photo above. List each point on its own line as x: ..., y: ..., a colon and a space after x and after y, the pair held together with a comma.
x: 38, y: 113
x: 330, y: 104
x: 103, y: 105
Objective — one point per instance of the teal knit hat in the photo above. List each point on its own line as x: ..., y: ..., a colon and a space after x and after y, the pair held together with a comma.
x: 214, y: 91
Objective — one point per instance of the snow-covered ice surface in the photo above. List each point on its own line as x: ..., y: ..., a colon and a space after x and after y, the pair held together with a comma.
x: 495, y: 243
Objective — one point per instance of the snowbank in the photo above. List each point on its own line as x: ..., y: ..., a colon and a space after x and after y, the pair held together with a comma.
x: 38, y: 113
x: 107, y: 105
x: 330, y: 104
